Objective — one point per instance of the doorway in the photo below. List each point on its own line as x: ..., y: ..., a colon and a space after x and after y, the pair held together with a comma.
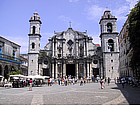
x: 70, y: 69
x: 95, y: 71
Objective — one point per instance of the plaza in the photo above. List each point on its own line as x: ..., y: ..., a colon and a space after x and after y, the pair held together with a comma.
x: 88, y: 94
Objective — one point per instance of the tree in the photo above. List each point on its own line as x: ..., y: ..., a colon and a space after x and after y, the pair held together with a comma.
x: 134, y: 36
x: 15, y: 72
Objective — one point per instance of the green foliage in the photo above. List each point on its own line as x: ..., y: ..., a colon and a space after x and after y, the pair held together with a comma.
x: 15, y: 72
x: 134, y: 35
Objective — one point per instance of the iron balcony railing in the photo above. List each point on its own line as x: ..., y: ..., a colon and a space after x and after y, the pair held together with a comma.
x: 8, y: 58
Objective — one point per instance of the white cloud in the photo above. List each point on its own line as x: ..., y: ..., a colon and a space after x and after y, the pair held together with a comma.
x: 96, y: 39
x: 121, y: 13
x: 132, y: 3
x: 95, y: 12
x: 24, y: 41
x: 67, y: 21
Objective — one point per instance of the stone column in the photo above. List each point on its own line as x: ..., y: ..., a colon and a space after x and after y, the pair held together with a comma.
x: 77, y: 47
x: 84, y: 69
x: 84, y: 49
x: 53, y: 49
x: 52, y: 70
x: 77, y: 73
x: 88, y: 69
x: 64, y: 70
x: 56, y: 70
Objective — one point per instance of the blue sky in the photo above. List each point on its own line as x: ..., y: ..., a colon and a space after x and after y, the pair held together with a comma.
x: 56, y: 15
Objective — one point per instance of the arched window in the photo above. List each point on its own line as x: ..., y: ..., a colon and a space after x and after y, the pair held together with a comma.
x: 33, y: 45
x: 109, y: 27
x: 111, y: 45
x: 34, y: 29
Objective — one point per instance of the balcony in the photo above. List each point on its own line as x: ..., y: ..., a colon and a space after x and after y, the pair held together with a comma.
x: 10, y: 59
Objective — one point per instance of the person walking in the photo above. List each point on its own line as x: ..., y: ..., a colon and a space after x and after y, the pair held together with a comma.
x: 102, y: 83
x: 30, y: 84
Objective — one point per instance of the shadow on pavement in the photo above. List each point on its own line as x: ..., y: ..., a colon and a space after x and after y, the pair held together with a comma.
x: 132, y: 94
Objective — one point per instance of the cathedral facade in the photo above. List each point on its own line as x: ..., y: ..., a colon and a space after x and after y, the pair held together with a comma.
x: 73, y: 53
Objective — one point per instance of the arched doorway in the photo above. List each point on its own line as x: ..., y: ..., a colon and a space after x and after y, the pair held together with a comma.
x: 6, y: 72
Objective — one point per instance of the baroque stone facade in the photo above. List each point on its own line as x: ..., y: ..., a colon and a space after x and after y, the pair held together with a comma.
x: 72, y: 53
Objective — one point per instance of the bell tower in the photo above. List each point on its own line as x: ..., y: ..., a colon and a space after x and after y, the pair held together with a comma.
x: 34, y: 44
x: 109, y: 44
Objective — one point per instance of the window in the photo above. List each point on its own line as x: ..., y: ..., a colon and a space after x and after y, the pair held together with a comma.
x: 1, y: 45
x: 81, y: 50
x: 46, y: 61
x: 111, y: 45
x: 70, y: 42
x: 109, y: 27
x: 14, y: 53
x: 0, y: 50
x: 34, y: 29
x: 33, y: 45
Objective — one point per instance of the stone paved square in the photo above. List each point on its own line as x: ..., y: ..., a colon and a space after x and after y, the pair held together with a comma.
x: 88, y: 94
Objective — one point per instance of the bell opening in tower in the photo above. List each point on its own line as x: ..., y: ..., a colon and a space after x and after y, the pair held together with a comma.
x: 70, y: 70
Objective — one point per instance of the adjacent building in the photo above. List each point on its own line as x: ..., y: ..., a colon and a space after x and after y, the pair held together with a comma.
x: 9, y: 57
x: 125, y: 52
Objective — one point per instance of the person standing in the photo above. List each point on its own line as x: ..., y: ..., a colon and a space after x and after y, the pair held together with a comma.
x: 81, y: 81
x: 108, y: 81
x: 122, y: 82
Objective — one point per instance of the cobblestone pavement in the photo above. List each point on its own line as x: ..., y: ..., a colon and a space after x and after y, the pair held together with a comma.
x: 88, y: 94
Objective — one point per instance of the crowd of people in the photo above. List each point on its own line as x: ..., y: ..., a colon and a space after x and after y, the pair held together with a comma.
x: 71, y: 80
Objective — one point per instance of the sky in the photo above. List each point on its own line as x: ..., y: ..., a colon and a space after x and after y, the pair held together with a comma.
x: 56, y: 16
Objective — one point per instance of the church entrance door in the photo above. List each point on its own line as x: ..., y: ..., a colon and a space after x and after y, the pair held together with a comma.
x: 95, y: 71
x: 70, y: 69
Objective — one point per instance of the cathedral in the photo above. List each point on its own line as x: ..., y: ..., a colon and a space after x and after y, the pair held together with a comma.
x: 73, y: 53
